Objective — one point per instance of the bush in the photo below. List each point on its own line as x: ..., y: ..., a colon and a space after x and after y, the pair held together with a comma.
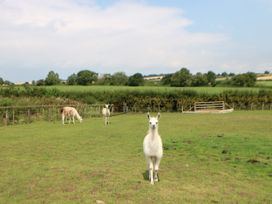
x: 244, y: 80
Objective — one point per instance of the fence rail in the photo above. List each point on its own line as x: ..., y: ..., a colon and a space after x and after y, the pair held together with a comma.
x: 218, y: 105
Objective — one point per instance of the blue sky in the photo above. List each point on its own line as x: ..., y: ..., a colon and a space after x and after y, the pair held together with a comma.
x: 147, y: 36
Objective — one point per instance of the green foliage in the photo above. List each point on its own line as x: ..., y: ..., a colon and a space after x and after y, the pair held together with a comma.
x: 181, y: 78
x: 136, y: 80
x: 72, y: 79
x: 52, y: 78
x: 6, y: 101
x: 1, y: 81
x: 211, y: 77
x: 165, y: 98
x: 105, y: 80
x: 200, y: 80
x: 86, y: 77
x: 244, y: 80
x: 40, y: 82
x: 119, y: 79
x: 166, y: 80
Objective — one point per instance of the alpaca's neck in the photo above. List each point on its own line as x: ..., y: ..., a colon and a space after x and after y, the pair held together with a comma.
x: 153, y: 132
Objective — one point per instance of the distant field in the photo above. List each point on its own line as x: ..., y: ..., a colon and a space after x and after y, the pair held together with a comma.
x: 149, y: 88
x: 207, y: 159
x: 264, y: 83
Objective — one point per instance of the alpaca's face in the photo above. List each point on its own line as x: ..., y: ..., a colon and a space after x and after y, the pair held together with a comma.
x: 106, y: 105
x: 153, y: 122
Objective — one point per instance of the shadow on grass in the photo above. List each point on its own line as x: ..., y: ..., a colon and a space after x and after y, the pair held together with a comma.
x: 145, y: 175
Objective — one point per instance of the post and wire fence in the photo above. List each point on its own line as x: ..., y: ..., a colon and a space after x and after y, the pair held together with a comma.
x: 12, y: 115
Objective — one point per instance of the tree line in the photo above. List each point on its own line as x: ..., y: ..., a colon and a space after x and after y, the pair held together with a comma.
x: 181, y: 78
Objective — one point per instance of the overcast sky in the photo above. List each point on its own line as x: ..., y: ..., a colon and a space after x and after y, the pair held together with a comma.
x: 146, y: 36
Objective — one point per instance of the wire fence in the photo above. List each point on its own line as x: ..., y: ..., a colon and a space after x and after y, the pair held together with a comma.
x: 12, y: 115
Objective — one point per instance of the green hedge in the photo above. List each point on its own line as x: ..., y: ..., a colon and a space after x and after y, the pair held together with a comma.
x: 170, y: 100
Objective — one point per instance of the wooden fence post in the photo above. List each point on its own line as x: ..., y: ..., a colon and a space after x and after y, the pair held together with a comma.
x: 263, y: 106
x: 13, y: 117
x: 28, y: 115
x: 6, y: 118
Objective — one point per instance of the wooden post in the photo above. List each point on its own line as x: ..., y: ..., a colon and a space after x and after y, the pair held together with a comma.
x: 112, y: 109
x: 28, y: 115
x: 263, y: 106
x: 251, y: 106
x: 13, y: 116
x: 6, y: 117
x: 182, y: 108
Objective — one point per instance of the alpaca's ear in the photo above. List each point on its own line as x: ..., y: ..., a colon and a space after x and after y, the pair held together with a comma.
x: 159, y: 115
x: 148, y: 115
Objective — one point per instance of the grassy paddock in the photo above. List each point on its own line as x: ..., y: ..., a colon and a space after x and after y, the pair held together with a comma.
x: 159, y: 89
x: 264, y: 83
x: 207, y: 159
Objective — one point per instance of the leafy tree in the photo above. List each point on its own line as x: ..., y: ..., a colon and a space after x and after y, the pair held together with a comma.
x: 8, y: 82
x: 119, y: 78
x: 224, y: 74
x: 211, y: 77
x: 266, y: 72
x: 72, y: 79
x: 199, y: 79
x: 136, y: 80
x: 1, y: 81
x: 105, y: 79
x: 40, y: 82
x: 166, y: 80
x: 86, y: 77
x: 52, y: 78
x: 246, y: 79
x: 181, y: 78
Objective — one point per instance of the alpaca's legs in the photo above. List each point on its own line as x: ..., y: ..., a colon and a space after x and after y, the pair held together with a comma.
x: 62, y: 117
x: 73, y: 119
x: 156, y: 168
x: 151, y: 169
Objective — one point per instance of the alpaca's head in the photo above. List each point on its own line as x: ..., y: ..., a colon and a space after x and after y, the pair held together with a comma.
x: 107, y: 105
x: 153, y: 121
x: 79, y: 118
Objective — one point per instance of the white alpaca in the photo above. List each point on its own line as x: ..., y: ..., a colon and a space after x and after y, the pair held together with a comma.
x: 106, y: 114
x: 71, y: 113
x: 153, y: 148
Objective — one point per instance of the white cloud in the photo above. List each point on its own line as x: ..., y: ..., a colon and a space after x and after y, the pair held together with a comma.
x: 134, y: 37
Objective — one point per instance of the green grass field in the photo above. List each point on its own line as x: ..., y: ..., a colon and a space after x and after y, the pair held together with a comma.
x: 207, y: 159
x: 264, y: 83
x: 214, y: 90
